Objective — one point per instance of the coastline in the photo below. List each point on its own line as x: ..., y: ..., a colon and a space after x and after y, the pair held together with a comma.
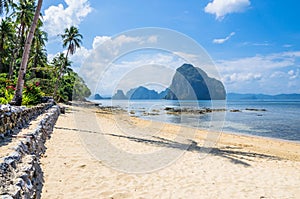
x: 268, y: 119
x: 228, y: 138
x: 238, y: 167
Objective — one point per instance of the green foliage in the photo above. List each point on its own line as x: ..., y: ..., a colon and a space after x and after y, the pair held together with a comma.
x: 32, y: 94
x: 6, y: 95
x: 6, y: 89
x: 41, y: 77
x: 73, y: 88
x: 32, y: 91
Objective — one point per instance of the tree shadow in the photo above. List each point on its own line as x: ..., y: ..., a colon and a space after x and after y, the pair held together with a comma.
x: 5, y: 141
x: 8, y: 137
x: 234, y: 154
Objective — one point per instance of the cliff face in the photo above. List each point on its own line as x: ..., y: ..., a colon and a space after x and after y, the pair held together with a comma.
x: 191, y: 83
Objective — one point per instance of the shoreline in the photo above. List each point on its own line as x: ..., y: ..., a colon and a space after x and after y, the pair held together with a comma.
x: 290, y: 136
x: 227, y: 135
x: 237, y: 167
x: 279, y: 141
x: 227, y: 132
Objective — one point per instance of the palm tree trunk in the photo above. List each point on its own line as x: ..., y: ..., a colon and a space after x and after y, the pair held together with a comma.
x: 1, y: 52
x: 17, y: 100
x: 11, y: 65
x: 60, y: 75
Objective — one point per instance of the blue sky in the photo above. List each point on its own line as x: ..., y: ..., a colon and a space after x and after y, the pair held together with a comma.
x: 253, y: 43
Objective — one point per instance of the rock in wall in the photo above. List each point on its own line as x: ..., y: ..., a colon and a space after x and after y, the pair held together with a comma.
x: 20, y: 171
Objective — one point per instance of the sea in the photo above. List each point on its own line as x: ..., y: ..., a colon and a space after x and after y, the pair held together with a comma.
x: 278, y: 119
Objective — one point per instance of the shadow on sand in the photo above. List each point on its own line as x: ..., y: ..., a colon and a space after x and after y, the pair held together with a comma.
x: 233, y: 154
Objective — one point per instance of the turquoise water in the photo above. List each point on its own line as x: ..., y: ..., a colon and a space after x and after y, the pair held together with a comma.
x: 280, y: 120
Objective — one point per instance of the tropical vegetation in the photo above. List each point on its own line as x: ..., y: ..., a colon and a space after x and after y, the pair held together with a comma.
x: 26, y: 74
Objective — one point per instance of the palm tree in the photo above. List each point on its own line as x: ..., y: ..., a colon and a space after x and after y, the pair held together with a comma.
x: 59, y: 61
x: 17, y: 100
x: 23, y: 15
x: 4, y: 5
x: 5, y: 27
x: 39, y: 52
x: 71, y: 39
x: 6, y: 36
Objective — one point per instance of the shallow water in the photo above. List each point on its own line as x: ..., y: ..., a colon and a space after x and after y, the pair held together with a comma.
x: 280, y: 120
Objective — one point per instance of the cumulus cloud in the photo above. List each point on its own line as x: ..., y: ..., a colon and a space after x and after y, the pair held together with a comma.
x: 241, y: 77
x: 221, y: 41
x: 98, y: 40
x: 127, y: 61
x: 57, y: 18
x: 266, y: 74
x: 259, y: 62
x: 294, y: 74
x: 105, y: 65
x: 220, y: 8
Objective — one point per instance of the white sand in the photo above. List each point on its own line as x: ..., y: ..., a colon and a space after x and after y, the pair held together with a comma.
x: 240, y: 167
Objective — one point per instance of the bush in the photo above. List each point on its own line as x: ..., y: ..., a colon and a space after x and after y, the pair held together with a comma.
x: 32, y: 94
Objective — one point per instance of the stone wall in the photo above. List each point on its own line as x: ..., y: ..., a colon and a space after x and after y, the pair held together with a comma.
x: 13, y: 118
x: 20, y: 171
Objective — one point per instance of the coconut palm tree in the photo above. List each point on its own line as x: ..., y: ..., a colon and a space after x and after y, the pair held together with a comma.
x: 4, y: 6
x: 39, y: 53
x: 17, y: 100
x: 23, y: 14
x: 72, y: 40
x: 6, y: 36
x: 5, y: 27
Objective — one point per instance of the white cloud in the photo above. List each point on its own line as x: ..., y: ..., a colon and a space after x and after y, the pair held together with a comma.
x: 277, y: 74
x: 265, y: 74
x: 259, y: 62
x: 98, y: 40
x: 104, y: 66
x: 221, y: 41
x: 291, y: 72
x: 57, y: 18
x: 294, y: 74
x: 152, y: 39
x: 79, y: 57
x: 220, y: 8
x: 241, y: 77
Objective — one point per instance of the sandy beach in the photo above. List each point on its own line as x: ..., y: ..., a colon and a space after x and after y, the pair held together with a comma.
x: 93, y: 153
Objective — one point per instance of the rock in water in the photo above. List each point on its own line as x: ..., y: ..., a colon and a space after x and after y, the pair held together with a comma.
x: 119, y: 95
x: 191, y: 83
x: 98, y: 97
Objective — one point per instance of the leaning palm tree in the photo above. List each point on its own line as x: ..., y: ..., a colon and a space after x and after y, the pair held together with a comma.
x: 71, y: 39
x: 17, y: 100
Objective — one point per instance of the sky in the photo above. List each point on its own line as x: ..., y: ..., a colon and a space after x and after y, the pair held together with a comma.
x: 252, y: 46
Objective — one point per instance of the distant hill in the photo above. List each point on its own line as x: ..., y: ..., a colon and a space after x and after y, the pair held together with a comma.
x: 97, y: 97
x: 119, y: 95
x: 191, y: 83
x: 237, y: 96
x: 144, y: 93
